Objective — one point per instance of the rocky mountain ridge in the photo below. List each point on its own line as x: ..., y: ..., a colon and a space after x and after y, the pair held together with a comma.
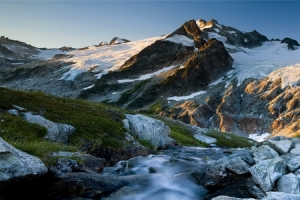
x: 203, y: 73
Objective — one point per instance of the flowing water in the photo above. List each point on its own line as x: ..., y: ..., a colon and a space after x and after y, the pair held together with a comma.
x: 164, y: 176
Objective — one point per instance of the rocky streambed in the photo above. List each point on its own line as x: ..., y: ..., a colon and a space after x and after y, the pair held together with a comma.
x: 270, y: 170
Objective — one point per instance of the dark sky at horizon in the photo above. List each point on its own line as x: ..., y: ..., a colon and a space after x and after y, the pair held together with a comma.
x: 83, y: 23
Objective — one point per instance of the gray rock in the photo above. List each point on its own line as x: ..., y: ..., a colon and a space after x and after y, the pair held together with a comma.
x: 17, y: 164
x: 205, y: 139
x: 281, y: 146
x: 289, y: 183
x: 281, y: 196
x: 287, y: 157
x: 13, y: 112
x: 264, y: 152
x: 88, y: 185
x: 297, y: 172
x: 63, y: 166
x: 238, y: 166
x: 245, y: 155
x: 230, y: 198
x: 56, y: 132
x: 266, y: 172
x: 294, y: 163
x: 89, y: 163
x: 149, y: 129
x: 296, y: 149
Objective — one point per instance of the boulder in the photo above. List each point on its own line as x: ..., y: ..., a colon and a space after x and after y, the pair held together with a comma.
x: 281, y: 196
x: 16, y: 164
x: 238, y: 166
x: 294, y: 163
x: 87, y: 185
x: 266, y: 172
x: 281, y: 146
x: 67, y: 164
x: 230, y: 198
x: 205, y: 139
x: 296, y: 149
x: 289, y: 183
x: 264, y: 152
x: 149, y: 129
x: 57, y: 132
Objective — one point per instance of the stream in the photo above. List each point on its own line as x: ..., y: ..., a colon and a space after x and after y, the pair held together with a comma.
x: 165, y: 175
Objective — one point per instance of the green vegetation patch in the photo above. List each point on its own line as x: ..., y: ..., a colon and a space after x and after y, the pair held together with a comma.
x: 181, y: 134
x: 96, y: 124
x: 230, y: 140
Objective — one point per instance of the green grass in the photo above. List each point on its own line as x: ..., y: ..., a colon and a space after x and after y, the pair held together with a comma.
x: 96, y: 124
x: 180, y: 133
x: 230, y: 140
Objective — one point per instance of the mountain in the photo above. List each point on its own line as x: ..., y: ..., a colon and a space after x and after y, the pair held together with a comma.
x: 204, y: 73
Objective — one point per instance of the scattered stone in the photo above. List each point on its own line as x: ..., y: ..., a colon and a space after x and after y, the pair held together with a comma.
x: 294, y: 163
x: 57, y: 132
x: 16, y: 164
x: 149, y: 129
x: 264, y: 152
x: 205, y: 139
x: 282, y: 146
x: 238, y: 166
x: 266, y: 172
x: 289, y: 183
x: 281, y: 196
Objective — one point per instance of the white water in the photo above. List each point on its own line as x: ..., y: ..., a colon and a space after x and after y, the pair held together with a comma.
x: 165, y: 176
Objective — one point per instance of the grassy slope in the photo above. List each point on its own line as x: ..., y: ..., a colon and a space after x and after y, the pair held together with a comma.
x: 95, y: 123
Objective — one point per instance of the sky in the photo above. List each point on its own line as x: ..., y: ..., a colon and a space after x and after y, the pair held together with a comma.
x: 53, y: 24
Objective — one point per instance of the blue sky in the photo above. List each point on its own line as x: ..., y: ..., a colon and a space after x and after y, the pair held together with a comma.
x: 83, y: 23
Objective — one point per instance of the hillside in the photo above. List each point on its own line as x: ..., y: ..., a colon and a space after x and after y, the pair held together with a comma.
x: 202, y: 74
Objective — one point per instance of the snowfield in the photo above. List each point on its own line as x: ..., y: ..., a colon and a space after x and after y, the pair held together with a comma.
x: 104, y: 58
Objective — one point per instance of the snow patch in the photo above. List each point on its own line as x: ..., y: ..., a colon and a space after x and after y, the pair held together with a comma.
x: 217, y: 30
x: 181, y: 39
x: 104, y: 58
x: 179, y: 98
x: 259, y: 137
x: 147, y: 76
x: 89, y: 87
x: 290, y: 76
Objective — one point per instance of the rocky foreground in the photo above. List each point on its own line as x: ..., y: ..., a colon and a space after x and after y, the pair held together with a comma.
x: 269, y: 170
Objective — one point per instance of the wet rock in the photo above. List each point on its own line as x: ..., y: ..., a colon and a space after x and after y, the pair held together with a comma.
x: 149, y: 129
x: 266, y: 172
x: 15, y: 164
x: 88, y: 185
x: 289, y: 183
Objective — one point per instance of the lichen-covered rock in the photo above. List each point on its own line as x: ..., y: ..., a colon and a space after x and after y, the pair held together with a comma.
x: 57, y: 132
x: 281, y: 146
x: 264, y: 152
x: 149, y: 129
x: 294, y: 163
x: 266, y: 172
x: 238, y: 166
x: 281, y: 196
x: 289, y: 183
x: 15, y: 164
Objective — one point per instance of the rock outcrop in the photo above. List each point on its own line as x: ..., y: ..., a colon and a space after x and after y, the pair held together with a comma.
x: 17, y: 165
x: 57, y: 132
x: 149, y: 129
